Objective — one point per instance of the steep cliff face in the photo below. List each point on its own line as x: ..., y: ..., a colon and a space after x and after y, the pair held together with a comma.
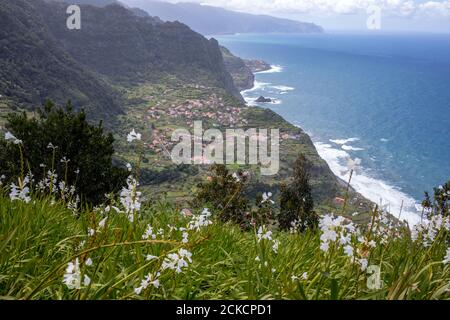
x: 242, y: 70
x: 33, y: 66
x: 125, y: 47
x: 41, y: 58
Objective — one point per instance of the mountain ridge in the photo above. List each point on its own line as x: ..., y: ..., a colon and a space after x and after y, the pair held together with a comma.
x: 209, y: 20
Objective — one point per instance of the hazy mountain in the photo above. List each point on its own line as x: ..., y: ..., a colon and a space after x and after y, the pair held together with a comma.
x: 214, y: 20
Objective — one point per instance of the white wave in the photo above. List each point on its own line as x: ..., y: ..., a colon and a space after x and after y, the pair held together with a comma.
x: 344, y: 141
x: 384, y: 140
x: 273, y: 69
x: 276, y: 101
x: 350, y: 148
x: 373, y: 189
x: 257, y: 85
x: 283, y: 88
x: 250, y: 101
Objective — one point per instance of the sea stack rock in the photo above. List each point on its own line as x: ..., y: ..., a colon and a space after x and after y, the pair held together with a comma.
x: 262, y: 99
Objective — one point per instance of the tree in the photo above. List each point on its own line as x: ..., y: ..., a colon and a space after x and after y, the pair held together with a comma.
x: 440, y: 203
x: 224, y: 191
x: 63, y: 141
x: 296, y: 202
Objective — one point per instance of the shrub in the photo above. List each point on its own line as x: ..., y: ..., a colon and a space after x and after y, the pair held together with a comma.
x: 296, y: 202
x: 63, y: 142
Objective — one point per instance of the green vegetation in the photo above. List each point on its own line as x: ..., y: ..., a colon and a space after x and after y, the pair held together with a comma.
x: 39, y: 239
x: 128, y: 248
x: 61, y: 143
x: 296, y: 202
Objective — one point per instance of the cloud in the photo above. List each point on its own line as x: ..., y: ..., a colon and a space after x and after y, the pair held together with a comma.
x: 435, y: 8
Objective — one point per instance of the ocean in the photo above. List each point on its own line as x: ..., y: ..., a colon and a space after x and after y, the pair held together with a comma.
x: 382, y: 98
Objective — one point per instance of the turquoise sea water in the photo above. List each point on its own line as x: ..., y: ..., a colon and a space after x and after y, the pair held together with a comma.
x: 382, y: 98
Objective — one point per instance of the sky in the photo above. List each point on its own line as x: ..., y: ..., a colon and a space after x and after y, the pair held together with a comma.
x: 348, y: 15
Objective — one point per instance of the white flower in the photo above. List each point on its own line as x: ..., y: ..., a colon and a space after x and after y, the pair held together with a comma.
x: 263, y: 233
x: 336, y: 228
x: 150, y: 257
x: 10, y: 136
x: 304, y: 276
x: 353, y: 164
x: 236, y: 177
x: 91, y: 232
x: 295, y: 226
x: 447, y: 257
x: 102, y: 222
x: 72, y: 277
x: 51, y: 146
x: 257, y: 258
x: 150, y: 279
x: 2, y: 177
x: 199, y: 221
x: 149, y: 233
x: 275, y: 245
x: 266, y: 197
x: 108, y: 209
x: 185, y: 237
x: 20, y: 192
x: 88, y: 262
x: 176, y: 261
x: 65, y: 160
x: 363, y: 263
x: 344, y: 239
x: 128, y: 167
x: 130, y: 198
x: 348, y: 251
x: 81, y: 244
x: 324, y: 246
x: 86, y: 280
x: 428, y: 230
x: 133, y: 135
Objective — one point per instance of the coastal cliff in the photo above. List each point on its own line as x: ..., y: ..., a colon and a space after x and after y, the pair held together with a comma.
x: 242, y: 70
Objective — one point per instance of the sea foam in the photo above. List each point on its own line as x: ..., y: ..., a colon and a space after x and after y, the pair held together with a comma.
x: 373, y: 189
x: 273, y: 69
x: 350, y: 148
x: 344, y: 141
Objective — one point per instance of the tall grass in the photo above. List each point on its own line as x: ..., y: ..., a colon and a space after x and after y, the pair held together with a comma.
x: 38, y: 239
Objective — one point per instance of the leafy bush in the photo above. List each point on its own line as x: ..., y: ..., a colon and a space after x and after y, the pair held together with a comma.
x: 296, y: 202
x: 63, y: 143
